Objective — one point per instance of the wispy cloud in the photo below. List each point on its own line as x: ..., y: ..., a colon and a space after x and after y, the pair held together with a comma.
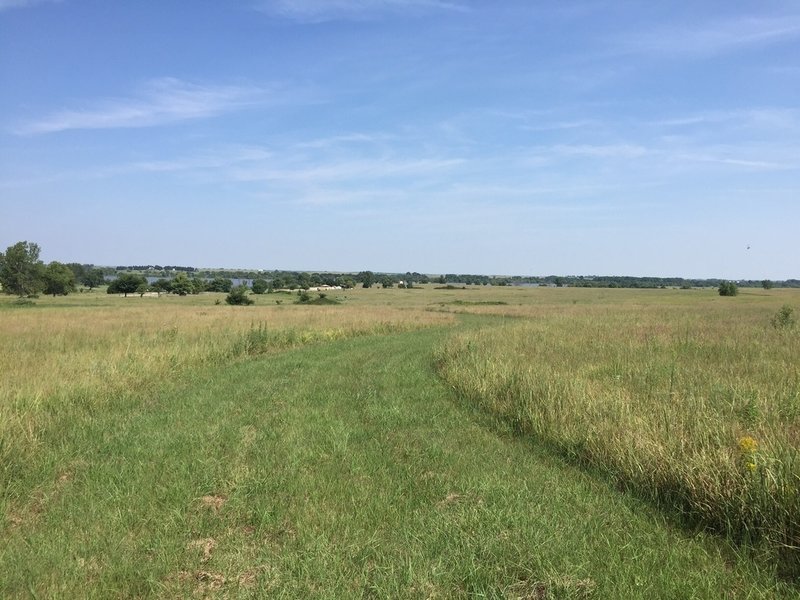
x: 607, y: 151
x: 348, y: 170
x: 713, y: 38
x: 317, y: 11
x: 160, y: 101
x: 9, y: 4
x: 765, y: 119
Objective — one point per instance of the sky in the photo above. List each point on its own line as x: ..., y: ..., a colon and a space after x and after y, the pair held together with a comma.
x: 441, y: 136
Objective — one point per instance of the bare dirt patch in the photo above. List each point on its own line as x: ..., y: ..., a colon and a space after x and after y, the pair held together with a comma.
x: 213, y: 502
x: 206, y: 545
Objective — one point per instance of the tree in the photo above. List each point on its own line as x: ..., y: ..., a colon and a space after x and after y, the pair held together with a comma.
x: 220, y: 284
x: 198, y: 285
x: 304, y: 280
x: 239, y: 297
x: 728, y: 288
x: 387, y: 281
x: 767, y: 284
x: 127, y: 283
x: 59, y: 279
x: 21, y: 271
x: 93, y: 278
x: 181, y: 285
x: 161, y: 285
x: 260, y: 286
x: 345, y: 282
x: 78, y: 270
x: 367, y: 278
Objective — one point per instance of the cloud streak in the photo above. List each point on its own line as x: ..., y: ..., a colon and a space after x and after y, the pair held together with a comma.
x: 161, y: 101
x: 9, y: 4
x: 318, y: 11
x: 714, y: 38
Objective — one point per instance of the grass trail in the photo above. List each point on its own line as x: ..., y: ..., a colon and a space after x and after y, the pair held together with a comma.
x: 343, y: 470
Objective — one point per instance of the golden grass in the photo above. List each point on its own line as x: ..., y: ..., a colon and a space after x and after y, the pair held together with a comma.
x: 696, y: 404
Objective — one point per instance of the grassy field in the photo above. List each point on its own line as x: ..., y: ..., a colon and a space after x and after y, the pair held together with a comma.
x: 172, y: 447
x: 696, y: 406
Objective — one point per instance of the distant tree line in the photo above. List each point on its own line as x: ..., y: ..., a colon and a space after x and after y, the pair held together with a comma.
x: 156, y: 268
x: 22, y: 273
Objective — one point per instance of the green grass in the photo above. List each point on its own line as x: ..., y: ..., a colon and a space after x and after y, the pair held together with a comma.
x: 340, y: 470
x: 312, y: 464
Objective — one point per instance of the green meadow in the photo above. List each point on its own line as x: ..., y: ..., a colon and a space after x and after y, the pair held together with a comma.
x: 487, y: 442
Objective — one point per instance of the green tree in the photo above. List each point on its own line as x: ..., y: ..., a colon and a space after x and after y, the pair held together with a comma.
x: 239, y: 297
x: 728, y: 288
x: 220, y: 284
x: 93, y: 278
x: 345, y: 282
x: 304, y: 280
x: 198, y: 285
x: 387, y: 281
x: 78, y: 270
x: 127, y: 283
x: 181, y: 285
x: 162, y: 285
x: 367, y: 278
x: 21, y: 271
x: 767, y: 284
x: 260, y: 286
x: 59, y: 279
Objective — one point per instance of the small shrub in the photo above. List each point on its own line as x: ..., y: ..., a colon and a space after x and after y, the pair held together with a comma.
x: 239, y: 297
x: 305, y: 298
x: 728, y: 288
x: 784, y: 318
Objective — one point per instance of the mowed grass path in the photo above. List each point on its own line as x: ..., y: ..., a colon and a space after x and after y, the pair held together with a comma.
x: 341, y: 470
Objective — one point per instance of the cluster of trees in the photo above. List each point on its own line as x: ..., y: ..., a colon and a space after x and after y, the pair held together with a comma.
x: 22, y: 273
x: 182, y: 285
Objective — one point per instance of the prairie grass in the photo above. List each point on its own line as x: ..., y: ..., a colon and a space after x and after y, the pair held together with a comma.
x: 339, y: 470
x: 58, y: 358
x: 695, y: 405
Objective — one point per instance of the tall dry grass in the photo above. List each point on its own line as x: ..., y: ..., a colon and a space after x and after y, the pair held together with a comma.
x: 697, y: 406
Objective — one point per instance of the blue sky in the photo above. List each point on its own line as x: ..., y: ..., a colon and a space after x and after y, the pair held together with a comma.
x: 502, y: 137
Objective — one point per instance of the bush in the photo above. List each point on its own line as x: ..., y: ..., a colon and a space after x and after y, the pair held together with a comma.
x: 728, y: 288
x: 784, y: 318
x: 239, y: 297
x: 260, y: 286
x: 305, y: 298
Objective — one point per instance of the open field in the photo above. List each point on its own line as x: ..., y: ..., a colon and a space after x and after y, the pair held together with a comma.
x: 170, y: 447
x: 696, y: 406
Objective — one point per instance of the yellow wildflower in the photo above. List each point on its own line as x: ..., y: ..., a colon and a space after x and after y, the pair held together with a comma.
x: 748, y: 445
